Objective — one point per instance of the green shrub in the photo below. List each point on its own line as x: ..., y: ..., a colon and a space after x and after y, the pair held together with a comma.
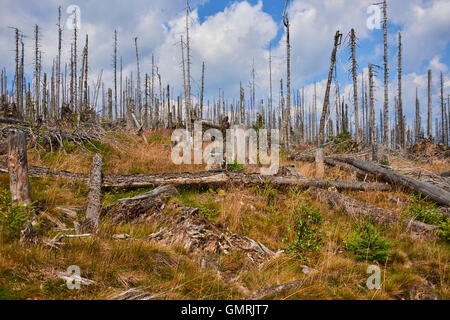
x: 235, y: 166
x: 422, y: 210
x: 365, y: 242
x: 307, y: 222
x: 445, y: 232
x: 13, y: 218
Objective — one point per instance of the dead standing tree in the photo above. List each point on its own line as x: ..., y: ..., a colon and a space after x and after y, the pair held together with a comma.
x: 386, y: 81
x: 355, y: 84
x: 400, y: 124
x: 288, y: 76
x: 320, y: 170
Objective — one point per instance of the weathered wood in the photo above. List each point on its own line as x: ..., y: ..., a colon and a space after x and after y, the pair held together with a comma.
x: 285, y: 183
x: 94, y: 199
x: 445, y: 173
x: 437, y: 194
x: 130, y: 208
x: 10, y: 121
x: 211, y: 179
x: 357, y: 209
x: 19, y: 183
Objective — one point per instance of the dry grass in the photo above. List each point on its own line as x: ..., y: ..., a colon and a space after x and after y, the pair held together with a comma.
x: 28, y: 272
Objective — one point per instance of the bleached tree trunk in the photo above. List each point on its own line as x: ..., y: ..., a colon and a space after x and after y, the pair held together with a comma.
x: 355, y: 86
x: 430, y: 108
x: 188, y: 61
x: 58, y: 64
x: 372, y: 110
x: 139, y: 95
x: 417, y: 117
x: 115, y: 74
x: 202, y: 90
x: 401, y: 126
x: 386, y: 84
x: 288, y: 77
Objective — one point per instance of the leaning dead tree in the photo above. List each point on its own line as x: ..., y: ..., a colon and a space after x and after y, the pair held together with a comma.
x: 320, y: 171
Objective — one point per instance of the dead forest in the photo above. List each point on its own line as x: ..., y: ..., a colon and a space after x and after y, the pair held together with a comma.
x: 87, y: 180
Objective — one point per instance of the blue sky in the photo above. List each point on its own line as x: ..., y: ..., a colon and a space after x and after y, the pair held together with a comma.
x: 229, y: 35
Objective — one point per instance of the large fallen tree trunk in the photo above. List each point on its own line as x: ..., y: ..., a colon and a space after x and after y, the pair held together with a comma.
x: 284, y: 183
x: 437, y: 194
x: 211, y: 179
x: 357, y: 209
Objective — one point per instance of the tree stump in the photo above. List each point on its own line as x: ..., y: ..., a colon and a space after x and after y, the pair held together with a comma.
x: 91, y: 220
x: 19, y: 183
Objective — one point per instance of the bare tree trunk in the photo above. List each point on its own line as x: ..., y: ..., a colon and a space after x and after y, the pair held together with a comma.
x: 58, y: 64
x: 355, y: 86
x: 372, y: 110
x: 115, y: 74
x: 139, y: 96
x: 288, y: 77
x: 188, y: 60
x: 430, y: 108
x: 386, y: 84
x: 202, y: 91
x: 320, y: 168
x: 417, y: 117
x: 401, y: 126
x: 443, y: 129
x: 187, y: 120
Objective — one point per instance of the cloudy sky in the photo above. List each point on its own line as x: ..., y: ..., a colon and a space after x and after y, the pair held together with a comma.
x: 230, y: 35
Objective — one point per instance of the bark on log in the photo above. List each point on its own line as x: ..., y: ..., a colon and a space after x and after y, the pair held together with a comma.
x: 357, y: 209
x: 130, y: 208
x: 94, y: 199
x: 445, y: 173
x: 10, y: 121
x: 211, y: 179
x: 439, y: 195
x: 19, y: 183
x: 284, y: 183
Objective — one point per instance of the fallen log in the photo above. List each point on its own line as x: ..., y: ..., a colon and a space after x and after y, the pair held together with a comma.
x: 436, y: 194
x: 94, y: 199
x: 357, y: 209
x: 210, y: 179
x: 285, y: 183
x: 445, y: 173
x: 130, y: 208
x: 10, y: 121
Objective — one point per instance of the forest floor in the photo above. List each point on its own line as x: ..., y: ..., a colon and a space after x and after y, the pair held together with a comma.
x: 412, y: 266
